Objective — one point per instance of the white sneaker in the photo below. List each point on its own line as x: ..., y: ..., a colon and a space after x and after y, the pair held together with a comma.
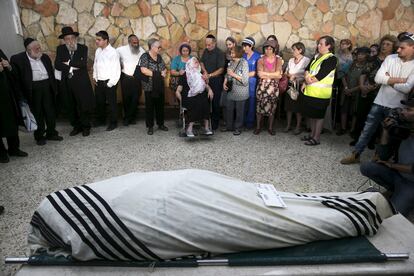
x: 208, y: 131
x: 190, y: 133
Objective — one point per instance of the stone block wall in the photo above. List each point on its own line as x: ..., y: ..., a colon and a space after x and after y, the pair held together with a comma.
x: 175, y: 21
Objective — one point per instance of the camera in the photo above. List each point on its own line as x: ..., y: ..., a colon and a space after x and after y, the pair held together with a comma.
x: 397, y: 126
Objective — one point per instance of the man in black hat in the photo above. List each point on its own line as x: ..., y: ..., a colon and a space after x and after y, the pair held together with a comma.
x: 75, y: 86
x: 8, y: 114
x: 34, y: 82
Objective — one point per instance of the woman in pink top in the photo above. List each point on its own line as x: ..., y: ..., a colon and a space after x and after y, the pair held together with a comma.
x: 269, y: 70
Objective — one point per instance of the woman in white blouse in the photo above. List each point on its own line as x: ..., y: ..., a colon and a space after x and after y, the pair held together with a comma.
x: 295, y: 72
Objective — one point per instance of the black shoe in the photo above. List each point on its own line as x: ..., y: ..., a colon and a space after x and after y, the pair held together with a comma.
x: 150, y: 131
x: 54, y: 138
x: 41, y: 142
x: 4, y: 158
x: 111, y: 127
x: 1, y: 210
x: 352, y: 143
x: 125, y: 122
x: 237, y: 132
x: 86, y: 132
x: 133, y: 122
x: 98, y: 123
x: 18, y: 153
x: 371, y: 146
x: 75, y: 131
x: 163, y: 128
x: 340, y: 132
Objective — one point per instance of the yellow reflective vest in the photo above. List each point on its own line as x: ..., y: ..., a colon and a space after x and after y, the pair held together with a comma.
x: 323, y: 88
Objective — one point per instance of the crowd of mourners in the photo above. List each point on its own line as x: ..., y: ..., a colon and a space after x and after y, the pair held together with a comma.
x: 368, y: 89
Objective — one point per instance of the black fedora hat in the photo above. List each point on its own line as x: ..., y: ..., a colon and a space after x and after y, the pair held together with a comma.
x: 68, y: 31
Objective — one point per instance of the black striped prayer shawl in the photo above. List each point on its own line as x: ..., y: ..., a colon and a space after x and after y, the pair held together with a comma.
x: 166, y: 215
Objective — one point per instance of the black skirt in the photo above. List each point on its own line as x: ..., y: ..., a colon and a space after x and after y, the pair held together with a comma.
x: 291, y: 105
x: 198, y: 107
x: 314, y: 108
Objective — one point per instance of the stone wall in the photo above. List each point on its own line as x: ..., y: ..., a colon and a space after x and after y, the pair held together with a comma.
x: 175, y: 21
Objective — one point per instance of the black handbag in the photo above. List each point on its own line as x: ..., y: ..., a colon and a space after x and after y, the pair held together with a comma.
x: 138, y: 74
x: 230, y: 80
x: 229, y: 85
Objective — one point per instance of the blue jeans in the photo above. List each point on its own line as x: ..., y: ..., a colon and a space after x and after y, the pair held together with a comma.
x: 375, y: 116
x: 402, y: 189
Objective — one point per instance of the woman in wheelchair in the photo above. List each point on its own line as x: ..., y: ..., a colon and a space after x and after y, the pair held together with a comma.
x: 194, y: 95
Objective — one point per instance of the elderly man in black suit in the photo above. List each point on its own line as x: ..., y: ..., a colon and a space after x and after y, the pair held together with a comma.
x: 8, y: 114
x: 75, y: 86
x: 35, y: 83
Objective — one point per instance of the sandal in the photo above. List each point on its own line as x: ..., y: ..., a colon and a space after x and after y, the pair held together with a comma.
x: 297, y: 131
x: 256, y: 131
x: 312, y: 142
x: 287, y: 129
x: 306, y: 138
x: 271, y: 132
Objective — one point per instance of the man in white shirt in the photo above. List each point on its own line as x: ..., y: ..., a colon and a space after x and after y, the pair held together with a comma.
x: 106, y: 73
x: 396, y: 77
x: 129, y: 56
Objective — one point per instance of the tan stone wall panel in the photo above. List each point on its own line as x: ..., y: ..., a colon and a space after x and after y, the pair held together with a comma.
x: 176, y: 21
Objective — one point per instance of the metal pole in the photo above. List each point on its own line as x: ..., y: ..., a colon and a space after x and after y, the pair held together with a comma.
x: 16, y: 260
x: 213, y: 262
x: 397, y: 256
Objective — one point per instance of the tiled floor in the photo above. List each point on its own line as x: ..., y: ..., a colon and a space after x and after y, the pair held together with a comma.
x: 281, y: 159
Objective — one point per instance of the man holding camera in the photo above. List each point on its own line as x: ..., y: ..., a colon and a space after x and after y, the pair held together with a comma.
x: 396, y: 77
x: 397, y: 177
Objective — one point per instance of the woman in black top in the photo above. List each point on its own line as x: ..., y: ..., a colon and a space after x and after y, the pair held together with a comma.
x: 153, y: 67
x: 318, y: 91
x: 194, y: 94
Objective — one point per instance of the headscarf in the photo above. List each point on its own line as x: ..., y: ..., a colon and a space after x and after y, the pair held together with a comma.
x: 194, y: 78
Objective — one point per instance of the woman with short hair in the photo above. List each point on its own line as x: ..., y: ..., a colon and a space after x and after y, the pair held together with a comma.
x: 319, y: 78
x: 269, y: 70
x: 153, y: 67
x: 238, y: 75
x: 295, y: 71
x: 177, y: 67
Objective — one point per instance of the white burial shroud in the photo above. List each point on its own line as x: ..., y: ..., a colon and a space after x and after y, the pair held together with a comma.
x: 169, y: 214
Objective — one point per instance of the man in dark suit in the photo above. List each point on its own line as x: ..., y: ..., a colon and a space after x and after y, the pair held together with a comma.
x: 34, y: 82
x: 9, y: 114
x: 75, y: 86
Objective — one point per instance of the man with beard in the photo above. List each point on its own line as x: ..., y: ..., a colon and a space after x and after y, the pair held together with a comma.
x: 34, y: 82
x: 8, y: 114
x: 129, y: 56
x: 106, y: 73
x: 75, y: 86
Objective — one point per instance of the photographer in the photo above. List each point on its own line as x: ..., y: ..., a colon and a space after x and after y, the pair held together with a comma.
x: 397, y: 177
x: 396, y: 77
